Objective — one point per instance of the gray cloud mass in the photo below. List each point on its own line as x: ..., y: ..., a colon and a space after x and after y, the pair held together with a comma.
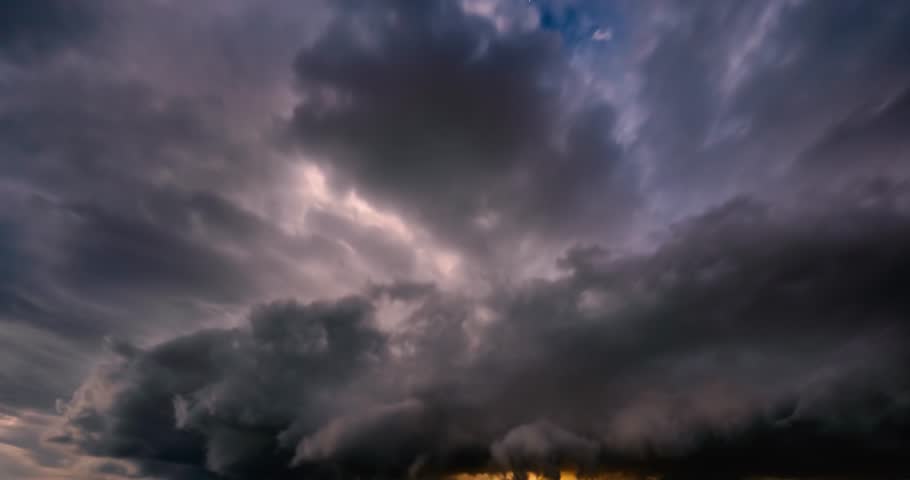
x: 719, y: 353
x: 454, y: 238
x: 410, y: 102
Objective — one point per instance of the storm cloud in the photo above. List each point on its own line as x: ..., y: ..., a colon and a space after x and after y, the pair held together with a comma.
x: 454, y: 238
x: 410, y: 102
x: 719, y: 352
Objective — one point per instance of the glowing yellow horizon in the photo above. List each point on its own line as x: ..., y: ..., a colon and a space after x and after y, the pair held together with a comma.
x: 570, y: 475
x: 563, y: 475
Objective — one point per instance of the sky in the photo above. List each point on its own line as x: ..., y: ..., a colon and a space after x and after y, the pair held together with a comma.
x: 454, y: 239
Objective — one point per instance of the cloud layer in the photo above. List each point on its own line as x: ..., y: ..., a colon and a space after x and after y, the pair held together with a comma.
x: 388, y: 239
x: 722, y: 351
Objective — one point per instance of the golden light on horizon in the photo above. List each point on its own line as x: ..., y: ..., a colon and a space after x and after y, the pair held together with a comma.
x: 563, y: 475
x: 572, y: 475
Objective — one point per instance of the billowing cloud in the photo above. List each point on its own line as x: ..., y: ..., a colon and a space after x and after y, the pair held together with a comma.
x: 389, y: 239
x: 484, y: 135
x: 729, y: 350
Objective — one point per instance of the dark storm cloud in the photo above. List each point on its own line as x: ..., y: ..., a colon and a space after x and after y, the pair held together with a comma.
x: 31, y: 31
x: 108, y: 252
x: 89, y: 138
x: 124, y: 190
x: 202, y: 401
x: 689, y: 353
x: 756, y: 340
x: 476, y: 132
x: 144, y: 193
x: 163, y: 248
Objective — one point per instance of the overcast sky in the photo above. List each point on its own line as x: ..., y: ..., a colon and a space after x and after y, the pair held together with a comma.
x: 389, y: 239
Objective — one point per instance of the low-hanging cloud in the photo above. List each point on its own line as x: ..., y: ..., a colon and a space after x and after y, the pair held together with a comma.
x: 728, y: 352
